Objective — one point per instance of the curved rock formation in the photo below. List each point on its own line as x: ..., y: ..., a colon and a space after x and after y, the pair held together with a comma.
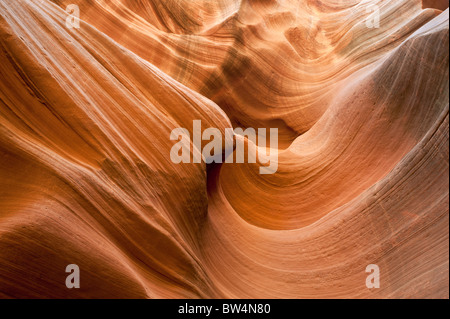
x: 358, y: 90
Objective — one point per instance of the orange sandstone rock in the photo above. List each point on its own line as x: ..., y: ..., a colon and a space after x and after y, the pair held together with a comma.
x: 85, y: 170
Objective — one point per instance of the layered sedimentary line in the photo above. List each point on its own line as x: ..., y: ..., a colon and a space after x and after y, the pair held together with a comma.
x: 88, y: 122
x: 403, y: 211
x: 301, y: 50
x: 436, y: 4
x: 85, y: 169
x: 373, y: 123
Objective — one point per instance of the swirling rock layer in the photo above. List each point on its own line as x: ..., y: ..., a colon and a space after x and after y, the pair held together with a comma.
x: 85, y: 170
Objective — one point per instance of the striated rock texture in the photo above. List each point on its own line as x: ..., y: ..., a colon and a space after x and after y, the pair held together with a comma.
x: 362, y: 109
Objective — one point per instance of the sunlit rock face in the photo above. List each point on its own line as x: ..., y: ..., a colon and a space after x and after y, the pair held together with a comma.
x: 359, y: 91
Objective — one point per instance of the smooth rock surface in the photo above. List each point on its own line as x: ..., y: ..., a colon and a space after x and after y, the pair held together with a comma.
x: 85, y: 170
